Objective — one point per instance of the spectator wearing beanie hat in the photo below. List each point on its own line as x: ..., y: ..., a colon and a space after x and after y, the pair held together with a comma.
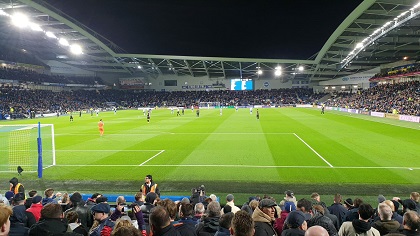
x: 278, y: 225
x: 79, y: 207
x: 36, y: 207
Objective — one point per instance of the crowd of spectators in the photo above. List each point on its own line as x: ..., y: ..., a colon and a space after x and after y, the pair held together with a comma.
x: 402, y: 70
x: 401, y: 98
x: 53, y: 213
x: 31, y: 76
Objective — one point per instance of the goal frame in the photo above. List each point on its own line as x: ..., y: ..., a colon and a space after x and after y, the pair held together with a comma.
x: 39, y: 141
x: 209, y: 105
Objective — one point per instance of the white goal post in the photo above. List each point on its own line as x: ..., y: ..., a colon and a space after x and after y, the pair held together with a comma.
x: 209, y: 105
x: 30, y: 146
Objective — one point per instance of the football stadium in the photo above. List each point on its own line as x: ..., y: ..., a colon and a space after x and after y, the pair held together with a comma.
x: 81, y: 116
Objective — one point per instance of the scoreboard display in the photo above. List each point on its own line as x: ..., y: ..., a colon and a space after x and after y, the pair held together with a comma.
x: 241, y: 84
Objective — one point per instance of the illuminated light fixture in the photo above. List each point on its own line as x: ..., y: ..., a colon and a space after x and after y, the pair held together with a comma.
x: 260, y: 72
x: 354, y: 86
x: 277, y: 72
x: 301, y: 68
x: 359, y: 45
x: 278, y: 68
x: 50, y: 34
x: 20, y: 20
x: 326, y: 87
x: 76, y: 49
x: 343, y: 87
x: 333, y: 87
x: 35, y: 27
x: 138, y: 67
x: 405, y: 58
x: 63, y: 42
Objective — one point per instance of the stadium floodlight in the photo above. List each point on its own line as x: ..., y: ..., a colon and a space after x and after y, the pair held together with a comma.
x: 277, y: 72
x: 259, y: 72
x: 301, y: 68
x: 63, y: 42
x: 50, y: 34
x: 278, y: 68
x: 35, y: 27
x: 76, y: 49
x: 139, y: 67
x: 359, y: 45
x: 326, y: 87
x: 20, y: 20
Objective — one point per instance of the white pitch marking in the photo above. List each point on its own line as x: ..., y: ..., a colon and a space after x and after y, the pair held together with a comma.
x: 313, y: 150
x: 252, y: 166
x: 151, y: 158
x: 91, y: 150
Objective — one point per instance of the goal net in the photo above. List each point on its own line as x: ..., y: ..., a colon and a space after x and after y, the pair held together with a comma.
x: 30, y: 146
x: 209, y: 105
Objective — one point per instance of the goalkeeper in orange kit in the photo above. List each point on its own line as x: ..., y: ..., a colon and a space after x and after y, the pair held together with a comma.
x: 101, y: 127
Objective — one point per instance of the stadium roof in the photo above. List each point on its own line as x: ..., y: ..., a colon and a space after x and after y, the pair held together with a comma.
x: 364, y: 40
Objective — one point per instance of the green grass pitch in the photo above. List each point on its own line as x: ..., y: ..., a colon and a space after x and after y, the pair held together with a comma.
x: 233, y: 151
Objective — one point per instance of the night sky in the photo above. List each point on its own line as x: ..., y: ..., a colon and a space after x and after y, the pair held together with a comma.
x: 282, y: 29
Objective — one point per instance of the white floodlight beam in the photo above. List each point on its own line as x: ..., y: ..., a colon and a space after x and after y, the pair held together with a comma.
x: 63, y: 42
x: 50, y: 34
x: 20, y: 20
x: 76, y: 49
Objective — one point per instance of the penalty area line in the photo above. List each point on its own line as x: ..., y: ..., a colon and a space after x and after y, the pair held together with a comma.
x: 152, y: 157
x: 313, y: 150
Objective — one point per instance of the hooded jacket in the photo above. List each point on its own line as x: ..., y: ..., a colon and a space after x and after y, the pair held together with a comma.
x: 357, y: 228
x: 263, y: 223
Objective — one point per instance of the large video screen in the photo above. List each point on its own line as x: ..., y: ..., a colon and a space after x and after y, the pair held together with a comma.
x: 241, y: 84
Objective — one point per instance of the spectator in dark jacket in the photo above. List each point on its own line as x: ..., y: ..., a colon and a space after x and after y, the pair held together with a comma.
x: 353, y: 214
x: 51, y: 222
x: 186, y: 224
x: 386, y: 225
x: 75, y: 225
x: 79, y: 207
x: 160, y: 223
x: 338, y: 209
x: 263, y: 217
x: 295, y: 224
x: 319, y: 218
x: 224, y: 224
x: 210, y: 223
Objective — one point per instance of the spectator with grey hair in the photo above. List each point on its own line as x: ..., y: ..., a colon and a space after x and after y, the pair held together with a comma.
x: 210, y: 223
x: 198, y: 211
x: 385, y: 225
